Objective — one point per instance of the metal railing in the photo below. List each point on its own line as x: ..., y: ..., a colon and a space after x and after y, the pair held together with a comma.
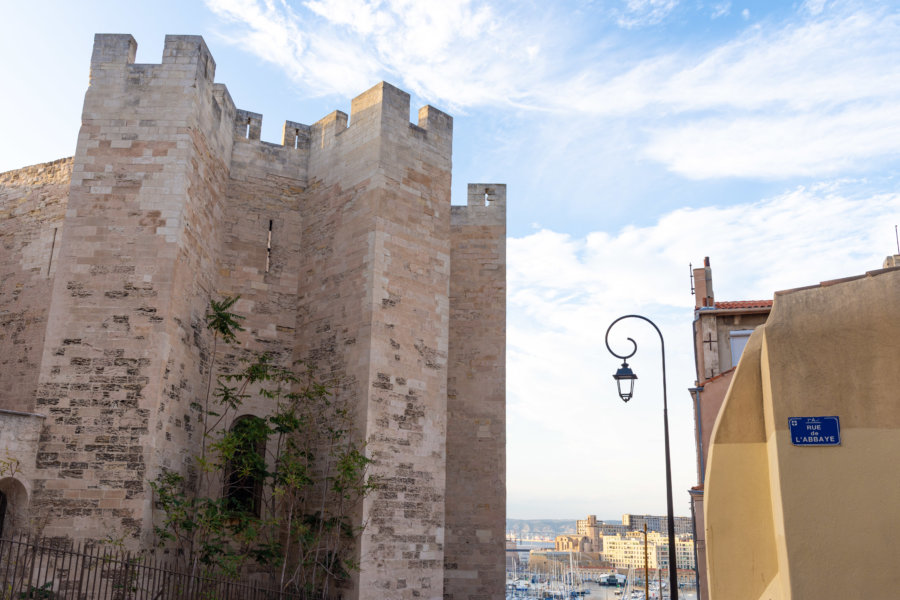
x: 60, y: 570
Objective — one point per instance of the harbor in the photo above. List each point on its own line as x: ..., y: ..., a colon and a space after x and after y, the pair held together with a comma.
x: 526, y: 589
x: 535, y: 571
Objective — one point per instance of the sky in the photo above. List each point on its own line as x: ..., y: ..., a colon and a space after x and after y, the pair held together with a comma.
x: 636, y: 137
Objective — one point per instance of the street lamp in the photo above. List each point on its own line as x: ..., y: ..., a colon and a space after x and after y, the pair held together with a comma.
x: 625, y: 379
x: 646, y: 567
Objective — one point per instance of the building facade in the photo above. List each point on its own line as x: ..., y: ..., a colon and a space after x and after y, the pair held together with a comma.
x: 817, y: 512
x: 658, y: 523
x: 345, y: 251
x: 595, y: 530
x: 721, y: 330
x: 622, y: 545
x: 628, y: 551
x: 573, y: 543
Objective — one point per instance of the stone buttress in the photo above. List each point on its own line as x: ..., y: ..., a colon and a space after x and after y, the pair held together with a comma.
x: 374, y: 311
x: 136, y: 267
x: 475, y: 563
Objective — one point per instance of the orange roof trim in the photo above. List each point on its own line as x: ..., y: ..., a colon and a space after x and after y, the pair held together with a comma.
x: 745, y: 304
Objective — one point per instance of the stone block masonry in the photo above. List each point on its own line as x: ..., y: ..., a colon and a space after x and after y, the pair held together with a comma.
x: 344, y: 248
x: 476, y: 396
x: 32, y: 208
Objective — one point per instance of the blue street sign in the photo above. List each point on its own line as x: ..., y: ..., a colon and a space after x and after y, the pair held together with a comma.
x: 815, y: 431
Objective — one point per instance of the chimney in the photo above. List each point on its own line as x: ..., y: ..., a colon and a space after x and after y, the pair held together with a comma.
x: 703, y: 290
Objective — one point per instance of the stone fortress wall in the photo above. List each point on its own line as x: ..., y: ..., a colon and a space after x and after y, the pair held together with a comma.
x: 344, y: 248
x: 32, y: 209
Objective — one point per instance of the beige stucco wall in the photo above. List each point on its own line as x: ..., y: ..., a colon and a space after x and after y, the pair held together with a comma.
x: 785, y: 521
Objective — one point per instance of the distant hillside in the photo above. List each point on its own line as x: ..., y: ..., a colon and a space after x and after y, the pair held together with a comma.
x: 544, y: 528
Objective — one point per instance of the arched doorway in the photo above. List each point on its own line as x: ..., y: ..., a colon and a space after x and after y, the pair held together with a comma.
x: 246, y: 469
x: 13, y: 507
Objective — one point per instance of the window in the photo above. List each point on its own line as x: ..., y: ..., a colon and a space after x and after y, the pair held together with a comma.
x: 738, y: 339
x: 247, y: 467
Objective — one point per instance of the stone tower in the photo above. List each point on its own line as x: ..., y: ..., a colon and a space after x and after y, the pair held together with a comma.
x: 345, y: 250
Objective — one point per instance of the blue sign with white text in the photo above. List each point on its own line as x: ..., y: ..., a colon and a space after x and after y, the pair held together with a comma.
x: 815, y: 431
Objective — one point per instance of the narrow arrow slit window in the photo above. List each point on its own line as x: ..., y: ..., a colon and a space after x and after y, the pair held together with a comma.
x: 269, y: 247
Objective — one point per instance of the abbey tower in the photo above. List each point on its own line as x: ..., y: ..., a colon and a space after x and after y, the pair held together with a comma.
x: 345, y: 250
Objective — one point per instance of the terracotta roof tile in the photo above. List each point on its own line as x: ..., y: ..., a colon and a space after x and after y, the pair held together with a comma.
x: 720, y: 375
x: 745, y: 304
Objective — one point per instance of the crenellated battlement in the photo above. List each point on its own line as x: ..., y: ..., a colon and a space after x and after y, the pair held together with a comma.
x: 189, y: 50
x: 383, y: 100
x: 323, y: 131
x: 295, y: 135
x: 486, y: 194
x: 435, y: 121
x: 383, y: 106
x: 113, y: 49
x: 391, y: 105
x: 114, y: 54
x: 486, y: 205
x: 247, y: 124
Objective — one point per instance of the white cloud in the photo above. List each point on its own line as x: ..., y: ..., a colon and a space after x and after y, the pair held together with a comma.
x: 775, y: 146
x: 745, y: 14
x: 445, y: 52
x: 564, y: 291
x: 720, y: 9
x: 770, y: 243
x: 813, y: 96
x: 810, y: 67
x: 814, y: 7
x: 808, y: 99
x: 642, y: 13
x: 360, y: 15
x: 323, y: 59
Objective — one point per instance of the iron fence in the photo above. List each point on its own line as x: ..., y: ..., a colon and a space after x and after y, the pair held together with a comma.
x: 54, y: 570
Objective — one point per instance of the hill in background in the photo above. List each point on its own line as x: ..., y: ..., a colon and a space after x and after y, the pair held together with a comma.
x: 543, y: 528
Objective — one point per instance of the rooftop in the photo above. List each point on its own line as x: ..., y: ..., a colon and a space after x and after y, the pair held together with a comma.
x: 874, y: 273
x: 743, y: 304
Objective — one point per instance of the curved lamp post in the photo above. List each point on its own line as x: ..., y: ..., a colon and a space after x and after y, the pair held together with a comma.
x: 625, y: 379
